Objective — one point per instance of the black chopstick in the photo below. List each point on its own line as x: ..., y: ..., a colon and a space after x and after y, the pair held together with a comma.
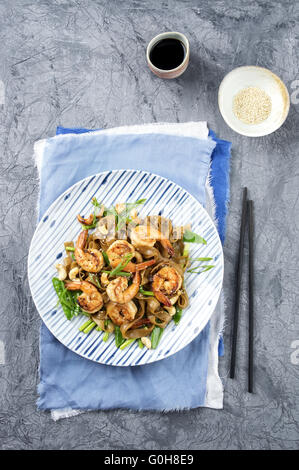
x: 238, y: 284
x: 250, y: 295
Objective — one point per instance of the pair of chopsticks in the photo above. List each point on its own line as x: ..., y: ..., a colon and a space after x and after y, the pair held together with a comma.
x: 246, y: 222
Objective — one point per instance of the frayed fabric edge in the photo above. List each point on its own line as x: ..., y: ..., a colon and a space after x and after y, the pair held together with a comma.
x: 215, y: 388
x: 62, y: 413
x: 37, y: 158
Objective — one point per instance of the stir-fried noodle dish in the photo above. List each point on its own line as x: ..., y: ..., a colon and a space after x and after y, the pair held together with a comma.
x: 126, y: 274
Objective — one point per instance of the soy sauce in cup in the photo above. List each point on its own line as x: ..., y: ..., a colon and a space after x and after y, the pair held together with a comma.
x: 168, y: 54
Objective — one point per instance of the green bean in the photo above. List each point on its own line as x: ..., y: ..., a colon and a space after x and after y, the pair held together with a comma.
x: 127, y: 343
x: 105, y: 336
x: 67, y: 299
x: 120, y: 273
x: 105, y: 256
x: 119, y: 339
x: 60, y: 291
x: 77, y: 308
x: 127, y: 258
x: 90, y: 327
x: 146, y: 292
x: 93, y: 278
x: 58, y: 285
x: 85, y: 325
x: 156, y: 336
x: 191, y: 237
x: 186, y: 249
x: 178, y: 315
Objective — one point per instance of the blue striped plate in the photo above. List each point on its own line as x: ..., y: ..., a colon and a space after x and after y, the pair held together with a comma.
x: 59, y: 224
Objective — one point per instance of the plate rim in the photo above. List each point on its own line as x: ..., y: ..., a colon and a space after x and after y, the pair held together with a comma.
x: 94, y: 176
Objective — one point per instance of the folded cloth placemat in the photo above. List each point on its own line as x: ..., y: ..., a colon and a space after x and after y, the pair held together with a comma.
x: 180, y: 381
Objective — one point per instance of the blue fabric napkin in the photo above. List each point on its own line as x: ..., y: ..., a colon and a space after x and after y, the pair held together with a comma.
x: 177, y: 382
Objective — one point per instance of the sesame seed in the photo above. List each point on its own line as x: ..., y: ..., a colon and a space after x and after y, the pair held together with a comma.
x: 252, y: 105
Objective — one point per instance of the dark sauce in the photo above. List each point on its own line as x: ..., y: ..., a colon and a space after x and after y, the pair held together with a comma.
x: 167, y: 54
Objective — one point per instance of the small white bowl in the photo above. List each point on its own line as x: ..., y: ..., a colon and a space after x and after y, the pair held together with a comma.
x: 252, y: 76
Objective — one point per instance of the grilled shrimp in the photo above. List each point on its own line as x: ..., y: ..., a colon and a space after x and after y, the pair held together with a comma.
x: 118, y: 250
x: 121, y: 313
x: 166, y: 282
x: 91, y: 299
x: 118, y: 290
x: 147, y: 236
x: 90, y: 260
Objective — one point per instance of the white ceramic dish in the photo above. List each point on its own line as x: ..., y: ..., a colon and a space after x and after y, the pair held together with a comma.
x: 252, y: 76
x: 59, y: 224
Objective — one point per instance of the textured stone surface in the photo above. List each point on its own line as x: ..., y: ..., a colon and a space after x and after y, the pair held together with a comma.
x: 82, y: 62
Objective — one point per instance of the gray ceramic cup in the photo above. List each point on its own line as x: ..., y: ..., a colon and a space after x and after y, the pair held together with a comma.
x: 172, y: 73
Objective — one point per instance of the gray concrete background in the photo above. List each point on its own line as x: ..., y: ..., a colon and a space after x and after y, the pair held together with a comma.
x: 82, y: 63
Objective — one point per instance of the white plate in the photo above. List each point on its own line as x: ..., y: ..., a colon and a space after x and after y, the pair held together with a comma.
x: 251, y: 76
x: 59, y: 224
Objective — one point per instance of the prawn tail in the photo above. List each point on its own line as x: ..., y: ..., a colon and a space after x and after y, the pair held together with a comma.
x: 136, y: 280
x: 82, y: 239
x: 145, y: 264
x: 168, y: 246
x: 72, y: 285
x: 130, y: 268
x: 162, y: 298
x: 133, y: 268
x: 84, y: 221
